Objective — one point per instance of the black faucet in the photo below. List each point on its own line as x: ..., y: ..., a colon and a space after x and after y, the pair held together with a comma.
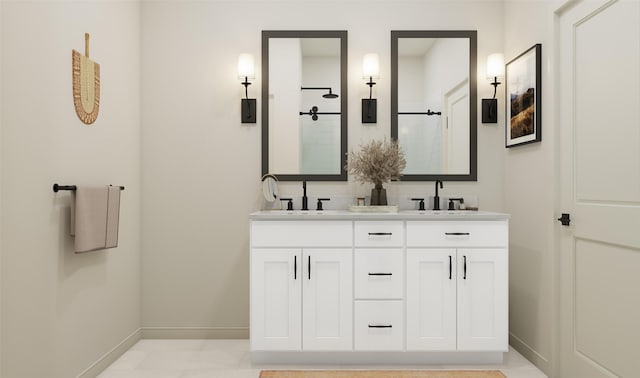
x: 436, y: 198
x: 305, y: 200
x: 289, y: 204
x: 420, y: 204
x: 319, y: 206
x: 452, y: 206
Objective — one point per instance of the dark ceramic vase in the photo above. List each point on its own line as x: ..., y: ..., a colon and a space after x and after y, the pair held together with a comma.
x: 378, y: 196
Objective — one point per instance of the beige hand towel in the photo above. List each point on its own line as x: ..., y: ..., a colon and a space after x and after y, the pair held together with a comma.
x: 97, y: 211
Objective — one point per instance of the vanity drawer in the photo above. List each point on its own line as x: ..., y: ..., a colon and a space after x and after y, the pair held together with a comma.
x: 301, y: 234
x: 379, y: 325
x: 457, y: 234
x: 379, y: 234
x: 379, y: 273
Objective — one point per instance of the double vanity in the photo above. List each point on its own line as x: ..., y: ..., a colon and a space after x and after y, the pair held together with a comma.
x: 348, y: 287
x: 406, y: 287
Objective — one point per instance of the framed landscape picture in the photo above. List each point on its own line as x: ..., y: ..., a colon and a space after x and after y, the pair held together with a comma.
x: 524, y: 98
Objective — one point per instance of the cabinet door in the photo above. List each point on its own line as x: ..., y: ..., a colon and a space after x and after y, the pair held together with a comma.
x: 482, y: 300
x: 431, y: 299
x: 276, y: 299
x: 327, y: 299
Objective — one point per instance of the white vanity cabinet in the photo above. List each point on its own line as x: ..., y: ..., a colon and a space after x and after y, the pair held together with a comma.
x: 338, y: 286
x: 301, y: 286
x: 457, y: 286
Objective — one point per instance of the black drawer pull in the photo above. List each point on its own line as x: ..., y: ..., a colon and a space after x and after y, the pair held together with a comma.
x: 380, y: 326
x: 380, y: 233
x: 464, y: 277
x: 457, y: 233
x: 380, y: 274
x: 295, y: 267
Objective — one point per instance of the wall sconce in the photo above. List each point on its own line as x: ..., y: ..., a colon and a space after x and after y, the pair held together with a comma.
x: 246, y: 71
x: 495, y: 70
x: 370, y: 70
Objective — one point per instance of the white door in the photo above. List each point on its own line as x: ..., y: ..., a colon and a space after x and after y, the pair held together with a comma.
x: 456, y: 136
x: 599, y: 113
x: 431, y: 299
x: 483, y: 309
x: 275, y: 299
x: 327, y: 299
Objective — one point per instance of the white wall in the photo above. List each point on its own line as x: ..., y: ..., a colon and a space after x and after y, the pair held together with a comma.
x: 201, y: 166
x: 62, y: 312
x: 529, y: 189
x: 1, y: 210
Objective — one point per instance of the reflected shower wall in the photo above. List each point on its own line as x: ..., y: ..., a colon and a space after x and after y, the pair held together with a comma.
x: 414, y: 133
x: 320, y: 139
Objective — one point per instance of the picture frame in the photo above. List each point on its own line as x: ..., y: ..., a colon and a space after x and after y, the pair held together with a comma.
x: 524, y: 98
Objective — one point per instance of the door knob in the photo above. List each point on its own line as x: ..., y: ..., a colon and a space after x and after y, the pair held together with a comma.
x: 565, y: 219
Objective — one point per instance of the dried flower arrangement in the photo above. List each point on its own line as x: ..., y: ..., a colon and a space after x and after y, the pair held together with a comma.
x: 377, y: 162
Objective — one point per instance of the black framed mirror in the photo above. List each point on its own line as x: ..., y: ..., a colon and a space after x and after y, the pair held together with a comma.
x: 434, y: 103
x: 304, y: 104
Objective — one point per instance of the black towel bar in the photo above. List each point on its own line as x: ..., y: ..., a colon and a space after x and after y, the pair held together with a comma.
x: 57, y: 187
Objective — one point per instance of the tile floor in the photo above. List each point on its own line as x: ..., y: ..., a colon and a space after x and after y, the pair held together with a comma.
x: 230, y: 359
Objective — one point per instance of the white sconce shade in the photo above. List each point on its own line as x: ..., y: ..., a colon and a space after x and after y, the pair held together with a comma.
x: 370, y: 66
x: 495, y: 66
x: 246, y: 67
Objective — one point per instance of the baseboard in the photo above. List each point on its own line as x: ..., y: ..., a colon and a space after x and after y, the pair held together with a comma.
x: 363, y: 358
x: 195, y: 332
x: 112, y: 355
x: 530, y: 354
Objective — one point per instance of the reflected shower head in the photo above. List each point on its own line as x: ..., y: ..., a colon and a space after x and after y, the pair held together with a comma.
x: 327, y: 95
x: 330, y: 95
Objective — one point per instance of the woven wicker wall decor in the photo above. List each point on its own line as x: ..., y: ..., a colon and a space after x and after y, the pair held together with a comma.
x: 86, y: 84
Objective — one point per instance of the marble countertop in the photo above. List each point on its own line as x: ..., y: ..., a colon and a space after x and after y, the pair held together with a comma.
x: 354, y: 215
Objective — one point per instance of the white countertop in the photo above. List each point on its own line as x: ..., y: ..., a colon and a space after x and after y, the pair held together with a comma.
x: 400, y: 215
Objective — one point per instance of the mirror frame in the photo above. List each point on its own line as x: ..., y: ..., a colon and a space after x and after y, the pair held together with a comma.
x: 473, y: 107
x: 342, y: 35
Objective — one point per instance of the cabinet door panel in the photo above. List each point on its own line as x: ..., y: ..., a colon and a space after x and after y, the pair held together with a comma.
x: 482, y: 299
x: 327, y: 299
x: 275, y: 299
x: 431, y: 299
